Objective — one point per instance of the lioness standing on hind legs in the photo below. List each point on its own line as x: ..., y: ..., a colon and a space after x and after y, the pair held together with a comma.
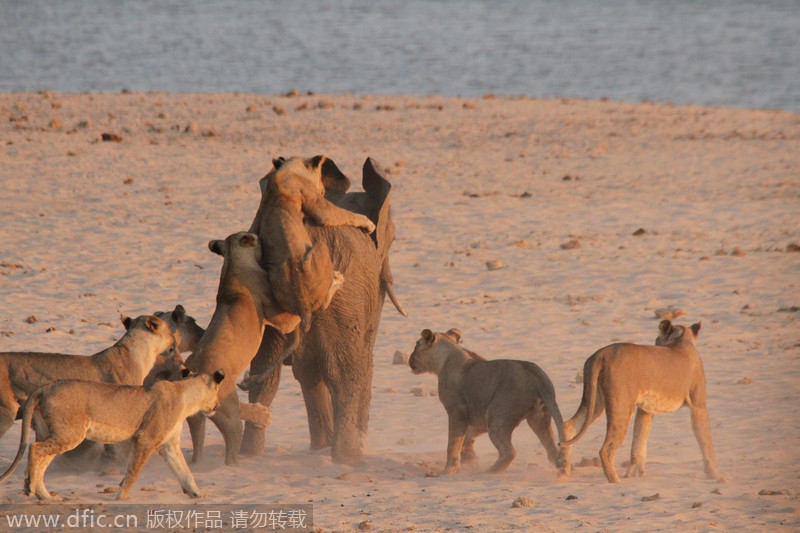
x: 652, y: 380
x: 481, y: 396
x: 71, y: 410
x: 233, y: 336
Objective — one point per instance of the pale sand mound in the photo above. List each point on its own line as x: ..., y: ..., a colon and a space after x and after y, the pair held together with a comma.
x: 549, y: 193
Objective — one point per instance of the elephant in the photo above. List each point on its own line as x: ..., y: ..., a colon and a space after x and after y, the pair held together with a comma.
x: 333, y: 360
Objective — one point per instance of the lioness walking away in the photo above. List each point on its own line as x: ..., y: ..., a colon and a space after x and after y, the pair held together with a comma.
x: 71, y: 410
x: 650, y: 379
x: 481, y: 396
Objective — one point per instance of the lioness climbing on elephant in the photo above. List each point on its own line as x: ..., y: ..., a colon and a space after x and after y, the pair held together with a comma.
x: 244, y: 308
x: 300, y: 271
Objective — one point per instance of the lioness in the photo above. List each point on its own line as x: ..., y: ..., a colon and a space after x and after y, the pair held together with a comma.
x: 300, y: 272
x: 650, y: 379
x: 233, y: 337
x: 126, y: 362
x: 184, y: 327
x: 72, y: 410
x: 493, y: 396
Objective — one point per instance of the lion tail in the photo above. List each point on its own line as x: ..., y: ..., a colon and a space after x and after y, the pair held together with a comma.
x: 27, y: 416
x: 590, y: 390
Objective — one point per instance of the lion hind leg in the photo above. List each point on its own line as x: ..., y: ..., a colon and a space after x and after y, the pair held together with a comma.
x: 500, y: 435
x: 539, y: 422
x: 617, y: 419
x: 40, y: 455
x: 641, y: 430
x: 701, y: 426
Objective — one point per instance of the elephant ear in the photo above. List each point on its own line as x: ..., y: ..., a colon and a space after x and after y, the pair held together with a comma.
x: 378, y: 189
x: 332, y: 178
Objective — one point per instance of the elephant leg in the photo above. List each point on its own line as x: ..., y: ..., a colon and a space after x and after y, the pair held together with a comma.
x: 351, y: 401
x: 317, y: 398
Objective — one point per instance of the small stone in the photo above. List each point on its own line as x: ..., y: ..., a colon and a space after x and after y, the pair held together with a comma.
x: 31, y: 320
x: 111, y: 137
x: 419, y: 391
x: 579, y: 377
x: 571, y: 497
x: 127, y: 181
x: 792, y: 247
x: 639, y: 232
x: 192, y: 127
x: 522, y: 501
x: 767, y: 492
x: 494, y: 264
x: 696, y: 505
x: 738, y: 252
x: 571, y: 244
x: 744, y: 381
x: 669, y: 313
x: 55, y: 124
x: 84, y: 124
x: 400, y: 358
x: 280, y: 111
x: 651, y: 498
x: 251, y: 108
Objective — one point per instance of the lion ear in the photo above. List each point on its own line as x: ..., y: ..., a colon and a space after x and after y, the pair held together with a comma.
x: 248, y: 240
x: 454, y: 334
x: 278, y: 162
x: 126, y: 321
x: 665, y: 327
x: 151, y: 323
x: 179, y: 313
x: 696, y: 328
x: 185, y: 372
x: 428, y: 336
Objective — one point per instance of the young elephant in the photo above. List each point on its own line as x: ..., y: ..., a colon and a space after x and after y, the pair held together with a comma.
x: 624, y: 377
x: 71, y: 410
x: 300, y: 271
x: 234, y: 334
x: 493, y: 396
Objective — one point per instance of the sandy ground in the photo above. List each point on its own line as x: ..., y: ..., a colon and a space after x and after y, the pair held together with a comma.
x: 554, y: 190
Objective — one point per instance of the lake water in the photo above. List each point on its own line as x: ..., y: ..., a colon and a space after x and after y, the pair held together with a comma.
x: 720, y: 53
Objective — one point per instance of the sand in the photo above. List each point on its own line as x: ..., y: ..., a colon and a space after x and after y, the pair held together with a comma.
x: 600, y: 214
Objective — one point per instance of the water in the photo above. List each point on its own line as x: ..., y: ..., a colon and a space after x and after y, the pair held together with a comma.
x: 734, y: 53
